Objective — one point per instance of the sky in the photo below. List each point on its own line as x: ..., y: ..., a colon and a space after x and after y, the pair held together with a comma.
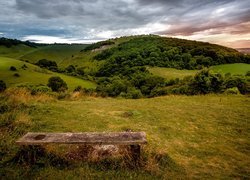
x: 225, y: 22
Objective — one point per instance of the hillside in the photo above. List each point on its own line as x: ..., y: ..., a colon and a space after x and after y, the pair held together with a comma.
x: 15, y: 51
x: 56, y: 52
x: 140, y: 66
x: 33, y: 75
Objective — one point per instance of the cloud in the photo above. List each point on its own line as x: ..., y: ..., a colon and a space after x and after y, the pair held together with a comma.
x: 239, y: 43
x: 99, y: 19
x: 55, y: 39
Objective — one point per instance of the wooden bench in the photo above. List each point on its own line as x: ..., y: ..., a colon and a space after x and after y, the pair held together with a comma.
x: 132, y: 139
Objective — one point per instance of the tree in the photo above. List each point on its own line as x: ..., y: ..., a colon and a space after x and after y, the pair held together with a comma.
x: 44, y: 63
x: 57, y: 84
x: 2, y: 86
x: 205, y: 82
x: 70, y: 69
x: 13, y: 68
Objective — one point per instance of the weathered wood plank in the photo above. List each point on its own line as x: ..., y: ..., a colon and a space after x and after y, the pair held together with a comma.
x: 104, y: 138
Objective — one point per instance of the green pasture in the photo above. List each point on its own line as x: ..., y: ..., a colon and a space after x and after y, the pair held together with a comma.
x: 34, y: 75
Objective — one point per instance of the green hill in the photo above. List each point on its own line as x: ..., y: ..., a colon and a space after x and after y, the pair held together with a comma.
x: 15, y: 51
x: 34, y: 75
x: 134, y: 66
x: 56, y: 52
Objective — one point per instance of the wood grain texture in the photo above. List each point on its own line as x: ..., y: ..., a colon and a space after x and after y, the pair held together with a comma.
x: 105, y: 138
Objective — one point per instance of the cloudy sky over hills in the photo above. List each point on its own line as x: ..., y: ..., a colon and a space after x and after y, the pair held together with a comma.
x: 225, y: 22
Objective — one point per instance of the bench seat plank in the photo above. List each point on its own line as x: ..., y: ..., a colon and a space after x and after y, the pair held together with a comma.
x: 104, y: 138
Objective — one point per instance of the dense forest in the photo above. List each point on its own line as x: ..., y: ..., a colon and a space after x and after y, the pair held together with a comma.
x: 166, y: 52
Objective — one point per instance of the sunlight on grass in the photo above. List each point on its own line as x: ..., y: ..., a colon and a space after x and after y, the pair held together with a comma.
x: 205, y: 146
x: 171, y: 73
x: 237, y: 68
x: 35, y: 75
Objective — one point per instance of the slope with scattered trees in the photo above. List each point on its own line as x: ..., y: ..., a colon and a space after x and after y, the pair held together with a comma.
x: 125, y: 73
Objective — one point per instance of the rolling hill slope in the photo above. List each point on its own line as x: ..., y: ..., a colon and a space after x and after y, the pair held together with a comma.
x: 15, y: 51
x: 34, y: 75
x: 56, y: 52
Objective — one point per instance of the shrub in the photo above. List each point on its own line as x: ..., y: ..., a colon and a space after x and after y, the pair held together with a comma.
x: 63, y: 95
x: 238, y: 81
x: 78, y: 89
x: 159, y: 91
x: 2, y: 86
x: 248, y: 73
x: 24, y: 66
x: 70, y: 69
x: 233, y: 90
x: 57, y: 84
x: 205, y: 82
x: 44, y: 63
x: 4, y: 108
x: 16, y: 75
x: 182, y: 89
x: 80, y: 71
x: 13, y: 68
x: 40, y: 89
x: 133, y: 93
x: 88, y: 91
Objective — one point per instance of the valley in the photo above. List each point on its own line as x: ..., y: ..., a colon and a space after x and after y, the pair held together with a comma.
x: 191, y: 98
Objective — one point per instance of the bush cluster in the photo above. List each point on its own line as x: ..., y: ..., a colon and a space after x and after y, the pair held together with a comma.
x: 2, y: 86
x: 57, y: 84
x: 48, y: 64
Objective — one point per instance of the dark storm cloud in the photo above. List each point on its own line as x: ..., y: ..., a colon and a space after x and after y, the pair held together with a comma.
x: 54, y: 8
x: 95, y: 19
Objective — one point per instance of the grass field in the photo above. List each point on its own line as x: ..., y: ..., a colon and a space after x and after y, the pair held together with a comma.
x: 15, y: 51
x: 34, y: 75
x: 57, y: 53
x: 237, y: 68
x: 170, y: 73
x: 189, y: 137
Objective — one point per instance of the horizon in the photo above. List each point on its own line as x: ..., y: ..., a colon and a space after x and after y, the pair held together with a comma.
x: 222, y: 22
x: 79, y: 43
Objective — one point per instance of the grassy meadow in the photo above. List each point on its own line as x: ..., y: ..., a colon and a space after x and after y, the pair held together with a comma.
x: 57, y: 53
x: 189, y: 137
x: 171, y: 73
x: 237, y: 68
x: 34, y: 75
x: 15, y: 51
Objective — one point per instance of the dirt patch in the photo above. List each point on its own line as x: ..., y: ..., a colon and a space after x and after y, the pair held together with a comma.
x: 127, y: 114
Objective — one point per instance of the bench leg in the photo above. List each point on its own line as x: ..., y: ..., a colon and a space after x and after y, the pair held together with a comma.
x: 135, y: 152
x: 30, y: 153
